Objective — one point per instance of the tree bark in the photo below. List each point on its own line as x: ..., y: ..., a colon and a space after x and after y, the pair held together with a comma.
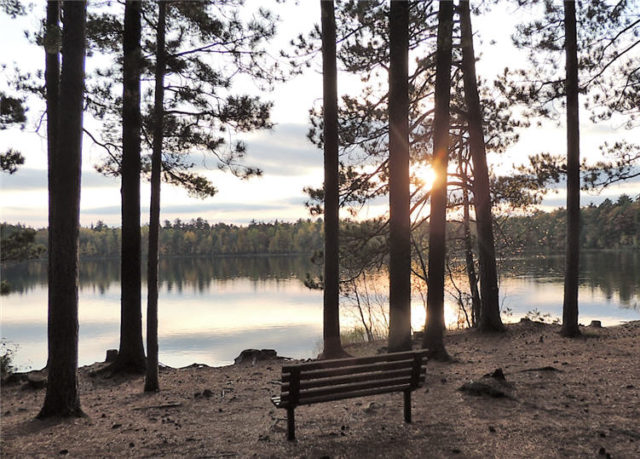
x: 470, y: 265
x: 490, y: 301
x: 332, y: 347
x: 434, y: 327
x: 131, y: 354
x: 151, y: 383
x: 399, y: 194
x: 572, y: 262
x: 52, y: 85
x: 62, y: 397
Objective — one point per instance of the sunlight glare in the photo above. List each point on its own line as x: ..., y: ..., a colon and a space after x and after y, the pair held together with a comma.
x: 424, y: 176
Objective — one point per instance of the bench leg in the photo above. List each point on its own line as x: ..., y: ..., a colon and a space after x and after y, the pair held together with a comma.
x: 407, y: 406
x: 291, y: 424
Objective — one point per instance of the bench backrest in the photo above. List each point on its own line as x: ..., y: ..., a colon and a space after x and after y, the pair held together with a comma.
x: 338, y: 379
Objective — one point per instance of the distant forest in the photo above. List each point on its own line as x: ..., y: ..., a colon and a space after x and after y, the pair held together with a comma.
x: 611, y: 225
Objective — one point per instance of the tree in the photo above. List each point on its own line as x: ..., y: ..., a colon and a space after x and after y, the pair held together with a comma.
x: 607, y: 46
x: 434, y: 328
x: 599, y: 63
x: 331, y: 292
x: 151, y: 383
x: 62, y: 398
x: 364, y: 123
x: 572, y: 252
x: 131, y: 353
x: 208, y: 45
x: 489, y: 319
x: 52, y: 91
x: 399, y: 193
x: 202, y: 112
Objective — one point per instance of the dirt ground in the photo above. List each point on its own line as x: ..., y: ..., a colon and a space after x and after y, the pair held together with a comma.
x: 567, y: 397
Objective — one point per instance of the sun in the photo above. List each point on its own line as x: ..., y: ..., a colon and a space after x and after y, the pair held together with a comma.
x: 424, y: 176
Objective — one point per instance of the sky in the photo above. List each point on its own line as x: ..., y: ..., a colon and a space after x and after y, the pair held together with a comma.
x: 289, y: 161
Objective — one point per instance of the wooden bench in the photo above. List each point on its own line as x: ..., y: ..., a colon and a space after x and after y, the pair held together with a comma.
x: 329, y: 380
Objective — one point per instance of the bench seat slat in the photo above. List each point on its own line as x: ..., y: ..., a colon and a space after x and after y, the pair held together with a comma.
x: 324, y: 364
x: 339, y: 390
x: 352, y: 378
x: 359, y: 393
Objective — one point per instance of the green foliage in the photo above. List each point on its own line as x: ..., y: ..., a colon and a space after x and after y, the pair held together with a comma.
x: 18, y: 243
x: 611, y: 225
x: 10, y: 161
x: 607, y: 36
x: 607, y: 226
x: 12, y: 111
x: 209, y: 46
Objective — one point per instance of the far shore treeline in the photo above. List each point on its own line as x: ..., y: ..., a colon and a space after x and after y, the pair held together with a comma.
x: 610, y: 225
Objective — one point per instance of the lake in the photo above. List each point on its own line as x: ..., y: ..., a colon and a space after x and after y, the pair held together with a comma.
x: 210, y: 310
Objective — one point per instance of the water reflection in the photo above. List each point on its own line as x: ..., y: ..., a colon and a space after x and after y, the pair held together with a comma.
x: 212, y: 309
x: 613, y: 276
x: 209, y: 309
x: 175, y: 273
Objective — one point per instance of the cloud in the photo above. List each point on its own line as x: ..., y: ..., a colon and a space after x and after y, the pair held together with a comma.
x: 28, y: 179
x: 199, y: 208
x: 284, y: 151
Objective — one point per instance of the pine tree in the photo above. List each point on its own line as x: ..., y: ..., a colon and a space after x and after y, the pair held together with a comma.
x: 572, y: 253
x: 151, y: 382
x: 62, y: 398
x: 399, y: 193
x: 434, y: 328
x: 489, y: 319
x: 131, y: 352
x: 331, y: 292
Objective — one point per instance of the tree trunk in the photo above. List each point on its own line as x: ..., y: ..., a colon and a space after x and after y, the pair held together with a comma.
x: 52, y: 85
x: 62, y: 397
x: 151, y: 383
x: 470, y: 265
x: 131, y: 354
x: 434, y: 327
x: 399, y: 199
x: 572, y: 263
x: 490, y: 306
x: 331, y: 312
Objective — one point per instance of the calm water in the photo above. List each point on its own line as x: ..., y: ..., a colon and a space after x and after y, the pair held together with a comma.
x: 210, y: 310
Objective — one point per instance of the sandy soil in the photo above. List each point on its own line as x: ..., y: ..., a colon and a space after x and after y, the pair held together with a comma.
x: 588, y: 405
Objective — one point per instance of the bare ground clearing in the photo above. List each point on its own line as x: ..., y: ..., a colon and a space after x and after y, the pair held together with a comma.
x: 588, y: 405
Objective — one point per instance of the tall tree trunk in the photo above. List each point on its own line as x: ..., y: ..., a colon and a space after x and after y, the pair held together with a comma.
x: 151, y: 383
x: 490, y: 310
x: 470, y: 265
x: 572, y: 263
x: 52, y: 85
x: 131, y: 355
x: 331, y: 312
x: 434, y: 328
x: 399, y: 199
x: 62, y: 397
